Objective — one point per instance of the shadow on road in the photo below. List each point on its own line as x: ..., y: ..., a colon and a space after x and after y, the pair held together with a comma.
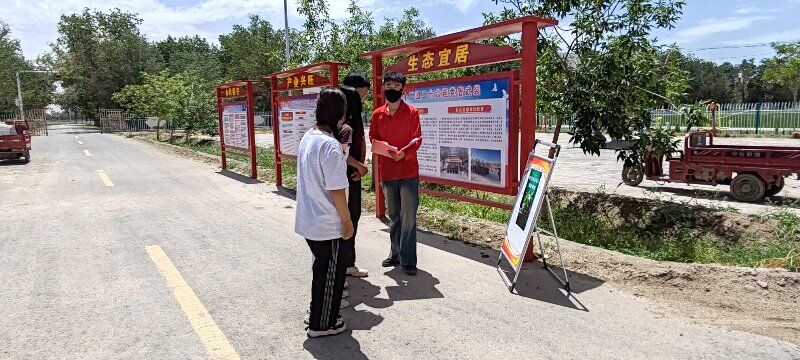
x: 534, y: 281
x: 12, y: 163
x: 342, y: 346
x: 239, y: 177
x: 286, y: 192
x: 421, y: 286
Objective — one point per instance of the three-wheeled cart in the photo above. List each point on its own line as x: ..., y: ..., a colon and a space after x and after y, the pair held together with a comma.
x: 752, y: 172
x: 15, y: 140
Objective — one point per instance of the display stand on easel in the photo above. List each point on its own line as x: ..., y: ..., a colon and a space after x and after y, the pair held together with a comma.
x: 523, y: 224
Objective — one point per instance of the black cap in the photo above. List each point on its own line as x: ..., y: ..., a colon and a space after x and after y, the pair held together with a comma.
x: 356, y: 80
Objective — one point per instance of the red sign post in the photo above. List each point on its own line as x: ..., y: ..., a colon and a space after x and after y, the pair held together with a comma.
x: 292, y: 115
x: 236, y: 125
x: 469, y: 140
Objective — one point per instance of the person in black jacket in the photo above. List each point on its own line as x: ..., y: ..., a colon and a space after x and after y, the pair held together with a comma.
x: 355, y: 87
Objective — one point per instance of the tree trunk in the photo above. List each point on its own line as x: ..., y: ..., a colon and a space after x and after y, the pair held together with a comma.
x: 556, y: 133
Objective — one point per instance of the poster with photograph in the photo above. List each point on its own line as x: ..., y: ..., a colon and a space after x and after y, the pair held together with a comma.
x: 235, y: 126
x: 465, y: 130
x: 526, y: 209
x: 296, y: 115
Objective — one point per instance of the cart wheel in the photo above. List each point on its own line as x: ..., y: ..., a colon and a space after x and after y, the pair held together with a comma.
x: 27, y: 156
x: 748, y: 188
x: 774, y: 188
x: 632, y: 175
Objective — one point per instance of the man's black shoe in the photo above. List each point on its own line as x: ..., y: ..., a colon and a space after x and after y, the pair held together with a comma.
x: 410, y: 270
x: 389, y: 262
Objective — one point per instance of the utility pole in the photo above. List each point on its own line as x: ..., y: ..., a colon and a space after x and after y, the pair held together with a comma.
x: 19, y: 99
x: 286, y: 31
x: 19, y: 89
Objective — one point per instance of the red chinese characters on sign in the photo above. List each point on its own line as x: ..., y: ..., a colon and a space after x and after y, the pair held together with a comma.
x: 469, y: 109
x: 302, y: 81
x: 453, y: 56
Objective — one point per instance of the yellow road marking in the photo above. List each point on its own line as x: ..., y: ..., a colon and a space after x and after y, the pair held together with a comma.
x: 86, y: 151
x: 105, y: 178
x: 80, y: 142
x: 204, y: 326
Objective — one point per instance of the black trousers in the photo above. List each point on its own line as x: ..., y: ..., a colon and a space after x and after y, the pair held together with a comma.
x: 327, y: 283
x: 354, y: 205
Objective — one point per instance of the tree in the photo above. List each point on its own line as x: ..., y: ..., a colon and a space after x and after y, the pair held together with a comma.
x: 253, y: 50
x: 181, y: 99
x: 97, y: 54
x: 37, y: 89
x: 191, y: 54
x: 784, y: 68
x: 603, y: 71
x: 708, y: 80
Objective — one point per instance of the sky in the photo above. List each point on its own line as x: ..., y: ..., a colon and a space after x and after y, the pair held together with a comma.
x: 710, y: 29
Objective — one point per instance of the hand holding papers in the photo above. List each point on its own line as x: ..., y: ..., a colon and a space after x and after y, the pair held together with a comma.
x: 384, y: 149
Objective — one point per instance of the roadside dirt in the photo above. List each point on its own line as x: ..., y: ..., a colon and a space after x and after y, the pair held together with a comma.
x: 761, y: 301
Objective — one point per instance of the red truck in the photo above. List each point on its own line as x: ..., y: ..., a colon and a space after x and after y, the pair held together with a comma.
x: 752, y: 172
x: 17, y: 143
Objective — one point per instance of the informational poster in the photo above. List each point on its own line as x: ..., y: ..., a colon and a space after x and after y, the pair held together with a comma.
x: 464, y: 130
x: 234, y: 125
x: 296, y: 115
x: 526, y: 209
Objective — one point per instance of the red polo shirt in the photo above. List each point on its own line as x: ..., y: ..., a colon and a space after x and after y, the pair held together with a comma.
x: 397, y: 130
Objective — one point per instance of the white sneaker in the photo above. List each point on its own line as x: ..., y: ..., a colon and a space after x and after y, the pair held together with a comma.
x: 356, y: 272
x: 337, y: 329
x: 344, y: 304
x: 345, y: 294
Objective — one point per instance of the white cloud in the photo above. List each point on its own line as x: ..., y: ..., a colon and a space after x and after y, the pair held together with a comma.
x: 715, y: 26
x: 462, y: 5
x: 786, y: 35
x: 756, y: 10
x: 35, y: 22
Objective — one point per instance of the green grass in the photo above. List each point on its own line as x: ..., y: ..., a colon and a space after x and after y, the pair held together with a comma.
x: 672, y: 234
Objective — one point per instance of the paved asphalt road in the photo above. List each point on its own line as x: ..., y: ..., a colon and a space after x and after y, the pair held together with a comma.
x: 83, y: 275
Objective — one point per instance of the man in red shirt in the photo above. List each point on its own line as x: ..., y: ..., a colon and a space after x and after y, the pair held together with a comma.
x: 397, y: 123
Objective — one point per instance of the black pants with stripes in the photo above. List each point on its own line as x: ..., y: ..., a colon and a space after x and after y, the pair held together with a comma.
x: 327, y: 284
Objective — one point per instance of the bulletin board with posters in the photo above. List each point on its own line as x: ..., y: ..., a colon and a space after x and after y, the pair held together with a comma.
x: 296, y: 115
x: 471, y: 139
x: 466, y: 126
x: 236, y: 122
x: 294, y: 112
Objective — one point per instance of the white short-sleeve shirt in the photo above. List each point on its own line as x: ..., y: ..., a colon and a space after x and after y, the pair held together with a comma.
x: 321, y: 168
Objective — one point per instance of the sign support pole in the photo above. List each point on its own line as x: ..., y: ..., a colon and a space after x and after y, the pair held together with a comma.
x: 537, y: 230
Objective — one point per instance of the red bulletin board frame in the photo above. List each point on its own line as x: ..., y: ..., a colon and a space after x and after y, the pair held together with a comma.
x: 237, y: 92
x: 512, y: 181
x: 522, y: 98
x: 280, y: 84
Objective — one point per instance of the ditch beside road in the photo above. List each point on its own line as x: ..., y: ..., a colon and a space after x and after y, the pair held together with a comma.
x: 583, y: 172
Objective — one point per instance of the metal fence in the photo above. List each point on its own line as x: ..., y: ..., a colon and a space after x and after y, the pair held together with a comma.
x: 779, y: 117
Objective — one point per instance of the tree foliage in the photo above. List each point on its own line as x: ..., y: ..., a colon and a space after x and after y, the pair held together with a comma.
x: 784, y: 68
x: 97, y: 54
x: 36, y: 88
x: 602, y: 70
x: 181, y: 99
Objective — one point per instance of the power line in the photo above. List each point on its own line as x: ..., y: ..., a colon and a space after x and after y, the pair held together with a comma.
x: 739, y: 57
x: 742, y: 46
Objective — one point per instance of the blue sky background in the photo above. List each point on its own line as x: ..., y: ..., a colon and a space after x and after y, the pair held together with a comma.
x: 486, y: 155
x: 729, y: 28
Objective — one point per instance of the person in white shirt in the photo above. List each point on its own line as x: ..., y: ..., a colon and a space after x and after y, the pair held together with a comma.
x: 322, y: 216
